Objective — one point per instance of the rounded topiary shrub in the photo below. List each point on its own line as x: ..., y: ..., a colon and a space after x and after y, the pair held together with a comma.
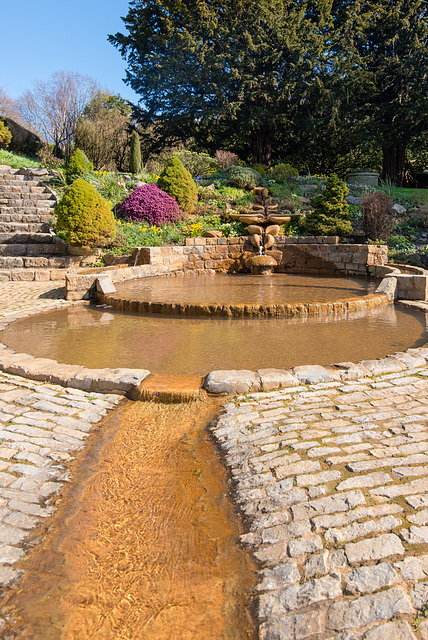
x: 177, y: 182
x: 77, y: 166
x: 150, y: 204
x: 244, y: 177
x: 84, y: 216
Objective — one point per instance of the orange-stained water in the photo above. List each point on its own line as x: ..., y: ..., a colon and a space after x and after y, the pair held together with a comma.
x: 143, y: 545
x: 98, y: 338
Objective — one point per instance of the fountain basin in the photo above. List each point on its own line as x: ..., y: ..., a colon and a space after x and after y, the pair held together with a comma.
x: 228, y: 295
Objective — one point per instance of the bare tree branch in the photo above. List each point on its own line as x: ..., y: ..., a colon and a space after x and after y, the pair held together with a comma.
x: 53, y: 107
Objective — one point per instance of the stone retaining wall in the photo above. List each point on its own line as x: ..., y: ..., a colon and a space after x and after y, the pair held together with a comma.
x: 310, y: 255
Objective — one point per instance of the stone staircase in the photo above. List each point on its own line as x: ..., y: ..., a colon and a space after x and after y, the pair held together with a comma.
x: 29, y: 250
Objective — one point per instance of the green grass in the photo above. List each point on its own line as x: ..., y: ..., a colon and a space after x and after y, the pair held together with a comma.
x: 17, y: 161
x: 417, y: 196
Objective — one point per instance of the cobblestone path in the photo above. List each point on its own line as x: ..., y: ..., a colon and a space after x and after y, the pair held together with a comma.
x: 20, y: 296
x: 333, y: 481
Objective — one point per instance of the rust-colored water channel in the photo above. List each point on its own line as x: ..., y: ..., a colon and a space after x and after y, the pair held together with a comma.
x: 143, y: 545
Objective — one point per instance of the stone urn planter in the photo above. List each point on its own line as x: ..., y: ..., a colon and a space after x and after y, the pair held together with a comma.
x: 363, y: 178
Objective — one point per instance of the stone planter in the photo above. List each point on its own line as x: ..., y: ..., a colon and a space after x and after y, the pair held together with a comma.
x: 363, y: 178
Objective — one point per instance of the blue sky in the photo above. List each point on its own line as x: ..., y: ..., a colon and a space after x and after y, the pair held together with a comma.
x: 40, y: 37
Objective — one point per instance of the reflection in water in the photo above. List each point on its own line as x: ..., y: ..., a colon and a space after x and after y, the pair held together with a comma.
x: 182, y: 345
x: 243, y: 289
x: 143, y: 544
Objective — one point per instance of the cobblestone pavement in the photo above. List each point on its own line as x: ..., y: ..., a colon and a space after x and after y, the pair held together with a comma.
x: 20, y: 296
x: 333, y: 481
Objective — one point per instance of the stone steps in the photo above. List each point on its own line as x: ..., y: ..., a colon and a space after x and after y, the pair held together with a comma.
x: 28, y: 251
x: 39, y: 249
x: 24, y: 227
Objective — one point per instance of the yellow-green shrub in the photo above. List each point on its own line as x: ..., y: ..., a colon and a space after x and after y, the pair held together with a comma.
x: 85, y: 216
x: 177, y: 182
x: 5, y: 135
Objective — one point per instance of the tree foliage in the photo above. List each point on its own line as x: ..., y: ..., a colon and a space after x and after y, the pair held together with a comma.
x: 103, y: 131
x: 223, y: 68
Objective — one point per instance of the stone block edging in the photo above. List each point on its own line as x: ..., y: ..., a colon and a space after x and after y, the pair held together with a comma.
x: 232, y: 382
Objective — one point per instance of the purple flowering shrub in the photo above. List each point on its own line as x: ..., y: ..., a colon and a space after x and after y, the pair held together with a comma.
x: 150, y: 204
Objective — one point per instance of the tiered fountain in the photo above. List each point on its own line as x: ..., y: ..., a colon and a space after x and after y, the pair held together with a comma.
x: 263, y: 225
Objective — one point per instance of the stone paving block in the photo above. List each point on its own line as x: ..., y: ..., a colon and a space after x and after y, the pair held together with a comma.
x: 397, y: 630
x: 419, y: 595
x: 285, y: 532
x: 9, y: 576
x: 11, y: 535
x: 306, y: 466
x: 378, y: 548
x: 415, y: 535
x: 281, y: 575
x: 360, y: 482
x: 232, y: 382
x: 30, y: 509
x: 20, y: 520
x: 413, y: 568
x: 312, y: 374
x: 295, y: 627
x: 315, y: 590
x: 367, y: 609
x: 370, y: 579
x: 317, y: 478
x: 419, y: 518
x: 10, y: 555
x: 304, y: 546
x: 330, y: 504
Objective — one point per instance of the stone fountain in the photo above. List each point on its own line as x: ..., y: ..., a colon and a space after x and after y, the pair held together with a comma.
x: 264, y: 223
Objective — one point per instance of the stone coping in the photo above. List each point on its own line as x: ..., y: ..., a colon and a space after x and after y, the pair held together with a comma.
x: 232, y: 382
x: 244, y: 310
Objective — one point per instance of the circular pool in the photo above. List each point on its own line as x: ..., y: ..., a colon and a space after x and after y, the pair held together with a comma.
x: 98, y: 338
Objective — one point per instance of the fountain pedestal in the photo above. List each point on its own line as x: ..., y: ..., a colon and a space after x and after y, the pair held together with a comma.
x: 262, y: 264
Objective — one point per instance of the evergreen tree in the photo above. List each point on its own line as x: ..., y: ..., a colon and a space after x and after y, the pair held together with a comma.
x: 135, y: 153
x: 224, y: 68
x: 385, y: 60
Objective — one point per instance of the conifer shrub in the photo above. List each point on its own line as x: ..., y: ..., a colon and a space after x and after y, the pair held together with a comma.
x: 150, y: 204
x: 197, y: 164
x: 330, y: 214
x: 5, y: 135
x: 378, y: 218
x: 135, y: 153
x: 244, y: 177
x: 84, y: 216
x: 78, y: 165
x: 260, y: 168
x: 177, y: 182
x: 284, y: 173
